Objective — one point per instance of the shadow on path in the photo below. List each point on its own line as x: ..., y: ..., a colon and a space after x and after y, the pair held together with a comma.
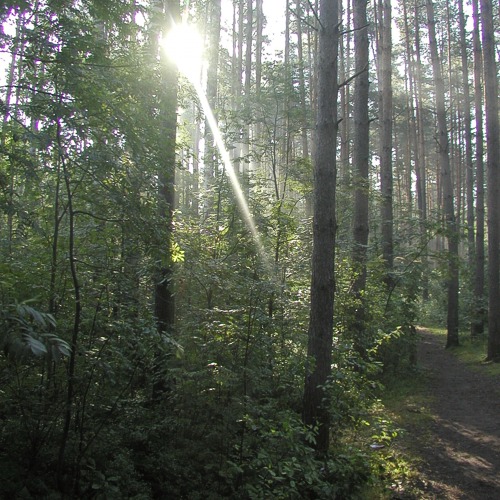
x: 461, y: 451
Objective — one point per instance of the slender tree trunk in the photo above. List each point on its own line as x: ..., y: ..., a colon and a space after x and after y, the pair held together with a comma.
x: 15, y: 64
x: 493, y: 169
x: 320, y: 335
x: 303, y: 100
x: 210, y: 161
x: 412, y: 122
x: 479, y: 313
x: 420, y: 162
x: 68, y: 406
x: 259, y: 43
x: 386, y: 145
x: 164, y: 295
x: 345, y: 68
x: 302, y: 84
x: 195, y: 184
x: 259, y: 14
x: 467, y: 134
x: 445, y: 167
x: 247, y: 91
x: 237, y: 64
x: 361, y: 152
x: 58, y: 216
x: 468, y: 144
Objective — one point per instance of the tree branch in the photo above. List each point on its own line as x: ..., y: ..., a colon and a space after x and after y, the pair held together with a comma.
x: 315, y: 13
x: 104, y: 219
x: 303, y: 19
x: 346, y: 32
x: 351, y: 78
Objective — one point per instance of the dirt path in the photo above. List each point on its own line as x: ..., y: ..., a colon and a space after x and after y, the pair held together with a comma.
x: 460, y: 448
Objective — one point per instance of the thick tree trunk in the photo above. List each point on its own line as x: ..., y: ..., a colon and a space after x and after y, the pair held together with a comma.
x: 324, y: 229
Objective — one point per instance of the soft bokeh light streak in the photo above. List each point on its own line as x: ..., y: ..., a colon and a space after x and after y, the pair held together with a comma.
x: 185, y: 47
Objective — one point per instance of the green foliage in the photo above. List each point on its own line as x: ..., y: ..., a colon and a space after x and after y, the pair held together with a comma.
x: 211, y: 408
x: 26, y: 331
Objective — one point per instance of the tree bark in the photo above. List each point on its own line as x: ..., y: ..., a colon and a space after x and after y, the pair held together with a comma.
x: 315, y: 410
x: 361, y: 152
x: 479, y: 313
x: 493, y: 169
x: 469, y: 172
x: 420, y: 160
x: 164, y: 295
x: 447, y: 185
x: 210, y: 160
x: 386, y: 119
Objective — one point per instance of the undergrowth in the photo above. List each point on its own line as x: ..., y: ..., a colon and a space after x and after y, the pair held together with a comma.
x: 404, y: 413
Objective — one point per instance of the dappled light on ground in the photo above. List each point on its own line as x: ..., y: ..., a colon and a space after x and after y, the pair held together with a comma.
x: 460, y: 448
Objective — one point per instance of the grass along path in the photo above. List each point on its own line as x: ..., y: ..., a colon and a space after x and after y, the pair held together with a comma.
x: 451, y: 416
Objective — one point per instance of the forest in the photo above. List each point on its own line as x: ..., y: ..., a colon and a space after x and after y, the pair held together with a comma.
x: 221, y: 222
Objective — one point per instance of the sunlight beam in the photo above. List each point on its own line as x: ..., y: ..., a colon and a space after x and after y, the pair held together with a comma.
x: 185, y: 47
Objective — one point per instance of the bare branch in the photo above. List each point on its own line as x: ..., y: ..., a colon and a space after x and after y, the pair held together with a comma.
x: 315, y: 13
x: 97, y: 217
x: 346, y: 32
x: 303, y: 19
x: 351, y: 78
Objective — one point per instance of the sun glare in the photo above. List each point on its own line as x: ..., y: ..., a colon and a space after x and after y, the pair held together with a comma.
x: 184, y: 46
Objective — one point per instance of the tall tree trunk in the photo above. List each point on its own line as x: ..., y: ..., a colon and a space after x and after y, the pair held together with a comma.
x: 448, y: 204
x: 164, y: 294
x: 195, y: 184
x: 386, y: 119
x: 302, y: 82
x: 493, y: 169
x: 259, y: 43
x: 259, y: 14
x: 210, y: 160
x: 315, y: 410
x: 75, y: 334
x: 247, y: 91
x: 361, y: 152
x: 420, y: 159
x: 237, y: 67
x: 303, y: 100
x: 345, y: 68
x: 15, y: 65
x: 468, y: 143
x: 479, y: 313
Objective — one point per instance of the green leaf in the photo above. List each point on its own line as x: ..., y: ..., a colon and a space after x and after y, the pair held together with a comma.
x: 37, y: 348
x: 64, y: 349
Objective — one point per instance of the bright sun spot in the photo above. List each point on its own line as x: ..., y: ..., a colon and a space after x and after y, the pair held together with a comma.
x: 184, y: 46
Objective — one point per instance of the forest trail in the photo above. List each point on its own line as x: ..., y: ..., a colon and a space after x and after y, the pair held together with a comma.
x: 460, y: 444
